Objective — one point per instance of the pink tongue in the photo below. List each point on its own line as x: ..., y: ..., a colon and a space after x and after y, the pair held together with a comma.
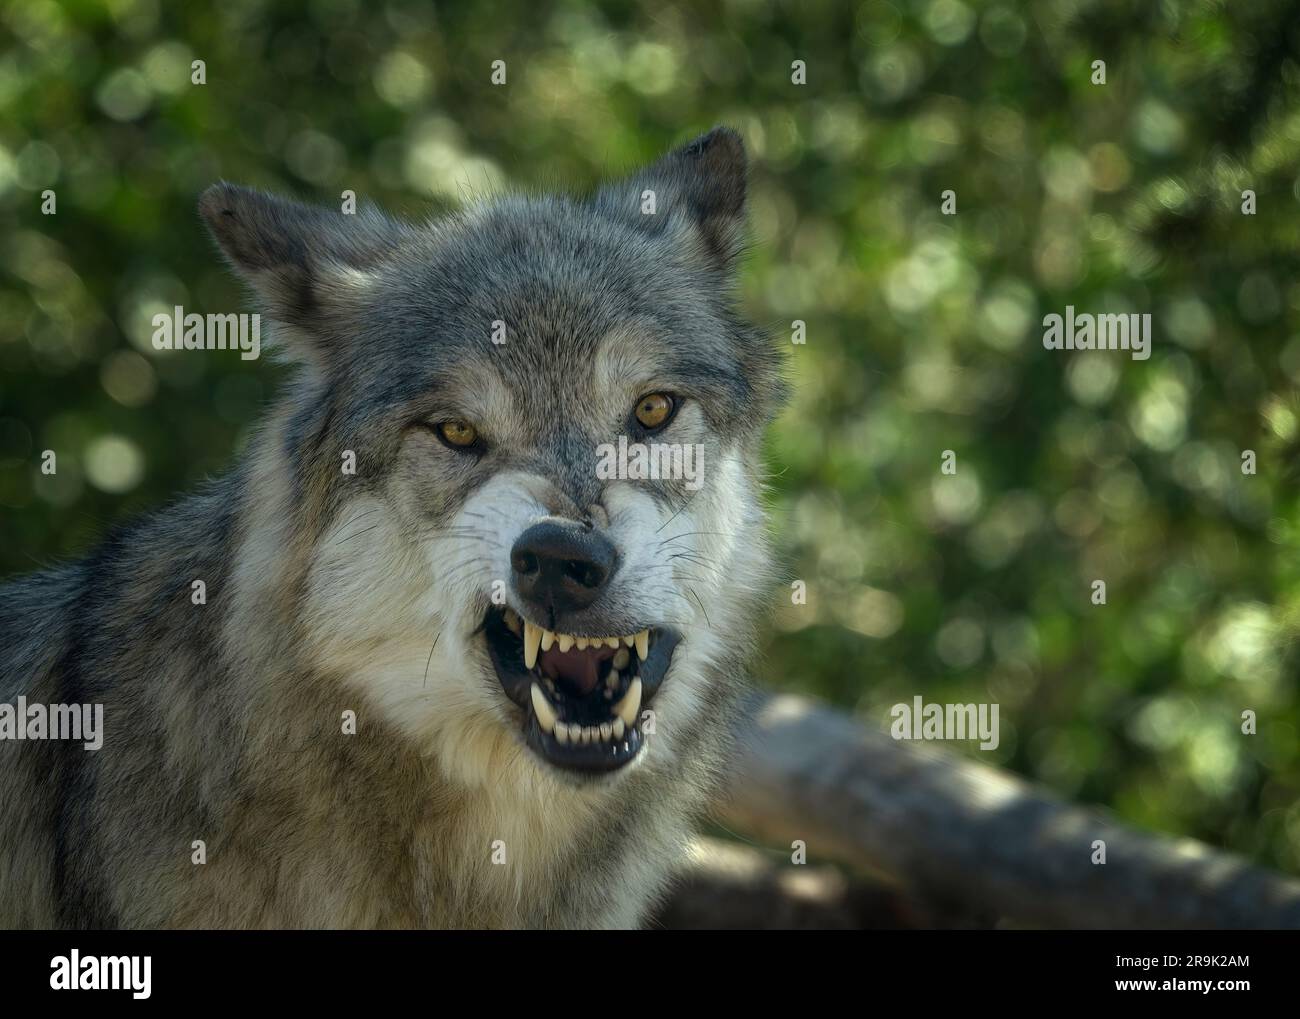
x: 579, y: 671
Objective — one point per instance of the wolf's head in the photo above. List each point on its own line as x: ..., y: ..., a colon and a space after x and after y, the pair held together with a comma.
x: 520, y: 465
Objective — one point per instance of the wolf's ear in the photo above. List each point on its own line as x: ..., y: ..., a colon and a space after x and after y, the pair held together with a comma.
x: 302, y: 261
x: 700, y: 186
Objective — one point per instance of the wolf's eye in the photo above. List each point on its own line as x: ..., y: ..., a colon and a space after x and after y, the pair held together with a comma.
x: 458, y: 434
x: 654, y: 410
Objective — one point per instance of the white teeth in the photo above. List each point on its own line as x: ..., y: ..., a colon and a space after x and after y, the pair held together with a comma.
x: 612, y: 680
x: 621, y: 658
x: 512, y: 621
x: 565, y: 641
x: 532, y: 639
x: 579, y: 735
x: 627, y: 708
x: 546, y: 716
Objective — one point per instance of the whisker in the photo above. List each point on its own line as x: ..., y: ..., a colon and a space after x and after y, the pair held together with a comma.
x: 687, y: 534
x: 701, y: 604
x: 685, y: 502
x: 695, y: 557
x: 460, y: 571
x: 357, y: 534
x: 463, y: 564
x: 430, y: 661
x: 469, y: 534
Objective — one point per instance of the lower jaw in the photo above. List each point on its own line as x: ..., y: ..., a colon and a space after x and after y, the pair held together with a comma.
x: 594, y: 758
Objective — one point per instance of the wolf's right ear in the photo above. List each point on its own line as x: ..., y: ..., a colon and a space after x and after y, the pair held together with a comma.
x: 302, y: 261
x: 695, y: 194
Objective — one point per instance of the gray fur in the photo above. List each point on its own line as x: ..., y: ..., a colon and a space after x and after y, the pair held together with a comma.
x: 329, y: 593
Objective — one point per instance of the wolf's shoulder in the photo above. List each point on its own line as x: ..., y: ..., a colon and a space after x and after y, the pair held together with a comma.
x: 36, y: 615
x: 137, y: 568
x: 25, y: 598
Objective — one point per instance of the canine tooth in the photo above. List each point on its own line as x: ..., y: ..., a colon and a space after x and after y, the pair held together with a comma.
x: 565, y: 641
x: 618, y: 728
x: 546, y: 716
x: 581, y: 642
x: 643, y: 644
x: 548, y: 638
x: 532, y: 640
x: 606, y: 730
x: 621, y: 659
x: 562, y: 733
x: 627, y: 708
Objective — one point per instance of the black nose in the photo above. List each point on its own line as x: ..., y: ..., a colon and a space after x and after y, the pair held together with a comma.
x: 562, y: 567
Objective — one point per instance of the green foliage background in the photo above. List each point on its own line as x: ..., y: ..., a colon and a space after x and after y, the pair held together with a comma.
x: 924, y: 330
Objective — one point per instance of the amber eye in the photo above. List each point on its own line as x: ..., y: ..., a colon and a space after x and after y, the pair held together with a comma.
x: 653, y: 410
x: 458, y: 434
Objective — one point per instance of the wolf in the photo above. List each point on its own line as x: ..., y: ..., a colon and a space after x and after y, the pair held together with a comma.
x: 411, y: 663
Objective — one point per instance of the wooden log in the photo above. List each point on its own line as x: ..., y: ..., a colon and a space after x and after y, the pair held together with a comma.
x: 729, y: 886
x: 969, y: 837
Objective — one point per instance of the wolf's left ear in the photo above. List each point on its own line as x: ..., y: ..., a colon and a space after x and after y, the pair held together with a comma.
x: 303, y: 261
x: 700, y: 187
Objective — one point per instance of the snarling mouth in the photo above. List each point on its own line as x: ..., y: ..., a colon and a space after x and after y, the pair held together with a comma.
x: 582, y: 696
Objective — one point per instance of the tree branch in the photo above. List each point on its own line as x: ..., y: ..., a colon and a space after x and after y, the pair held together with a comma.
x: 966, y: 836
